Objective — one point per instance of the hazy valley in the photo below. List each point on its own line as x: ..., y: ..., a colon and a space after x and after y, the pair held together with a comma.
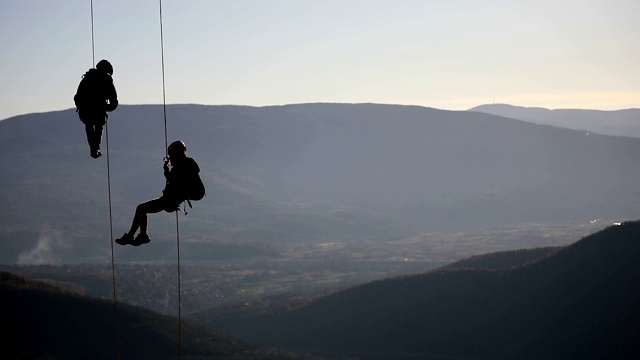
x: 574, y: 301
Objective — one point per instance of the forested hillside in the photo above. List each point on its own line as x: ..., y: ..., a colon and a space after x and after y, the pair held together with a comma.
x: 577, y: 302
x: 40, y: 321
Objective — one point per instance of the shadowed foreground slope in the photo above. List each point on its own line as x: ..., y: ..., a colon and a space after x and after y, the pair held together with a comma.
x: 43, y: 322
x: 577, y: 302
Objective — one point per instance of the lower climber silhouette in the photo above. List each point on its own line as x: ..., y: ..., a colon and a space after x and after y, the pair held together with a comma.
x: 179, y: 187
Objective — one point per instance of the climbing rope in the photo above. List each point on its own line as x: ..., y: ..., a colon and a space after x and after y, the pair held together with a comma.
x: 93, y: 43
x: 179, y: 290
x: 113, y: 261
x: 166, y: 145
x: 164, y: 101
x: 166, y: 140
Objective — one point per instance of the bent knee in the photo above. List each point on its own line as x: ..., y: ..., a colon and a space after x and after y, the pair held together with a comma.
x: 152, y: 206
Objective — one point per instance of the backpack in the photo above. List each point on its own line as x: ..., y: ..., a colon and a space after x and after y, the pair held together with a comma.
x: 90, y: 93
x: 195, y: 188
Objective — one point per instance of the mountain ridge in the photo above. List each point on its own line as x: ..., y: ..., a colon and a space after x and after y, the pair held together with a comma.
x: 579, y: 301
x: 622, y: 122
x: 288, y: 173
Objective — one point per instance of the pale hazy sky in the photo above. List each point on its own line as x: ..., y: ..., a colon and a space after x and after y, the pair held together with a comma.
x: 447, y: 54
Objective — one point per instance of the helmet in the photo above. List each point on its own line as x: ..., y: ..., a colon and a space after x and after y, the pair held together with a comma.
x: 177, y: 147
x: 105, y: 66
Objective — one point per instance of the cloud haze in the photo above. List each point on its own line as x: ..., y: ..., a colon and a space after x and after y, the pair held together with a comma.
x: 43, y: 253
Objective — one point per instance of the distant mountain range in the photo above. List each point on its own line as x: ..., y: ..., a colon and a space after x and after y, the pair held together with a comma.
x: 299, y: 173
x: 576, y: 302
x: 43, y: 322
x: 616, y: 122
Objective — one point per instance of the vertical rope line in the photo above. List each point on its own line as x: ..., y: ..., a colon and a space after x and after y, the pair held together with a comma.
x: 166, y: 145
x: 93, y: 44
x: 164, y: 101
x: 113, y: 260
x: 179, y: 289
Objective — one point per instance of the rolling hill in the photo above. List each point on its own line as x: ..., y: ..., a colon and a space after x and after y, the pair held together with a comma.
x: 300, y: 173
x: 616, y: 122
x: 43, y: 322
x: 576, y: 302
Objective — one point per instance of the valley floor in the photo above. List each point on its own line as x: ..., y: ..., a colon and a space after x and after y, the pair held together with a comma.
x: 302, y: 270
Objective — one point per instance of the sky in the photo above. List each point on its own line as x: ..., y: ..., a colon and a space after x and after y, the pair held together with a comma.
x: 446, y: 54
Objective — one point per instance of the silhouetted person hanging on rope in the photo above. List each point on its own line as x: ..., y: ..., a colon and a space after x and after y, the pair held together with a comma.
x: 183, y: 184
x: 96, y: 96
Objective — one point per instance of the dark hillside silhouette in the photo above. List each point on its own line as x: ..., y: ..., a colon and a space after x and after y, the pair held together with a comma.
x: 41, y: 321
x: 503, y: 260
x: 577, y: 302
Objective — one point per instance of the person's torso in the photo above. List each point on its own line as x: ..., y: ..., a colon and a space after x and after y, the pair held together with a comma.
x: 94, y: 90
x: 180, y: 177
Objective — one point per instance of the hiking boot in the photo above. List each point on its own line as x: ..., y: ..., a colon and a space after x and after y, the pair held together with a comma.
x: 141, y: 239
x: 125, y: 239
